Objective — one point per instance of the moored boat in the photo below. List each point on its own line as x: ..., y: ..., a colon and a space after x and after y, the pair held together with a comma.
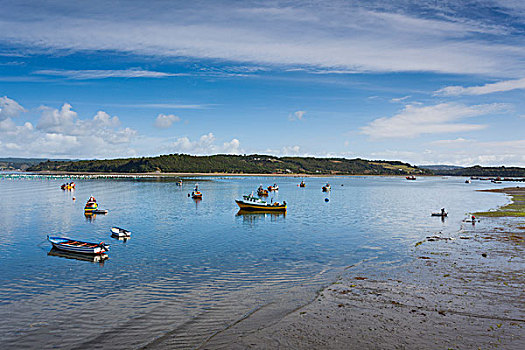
x: 91, y: 205
x: 76, y: 246
x: 196, y: 194
x: 120, y: 232
x: 252, y: 203
x: 273, y: 188
x: 411, y: 177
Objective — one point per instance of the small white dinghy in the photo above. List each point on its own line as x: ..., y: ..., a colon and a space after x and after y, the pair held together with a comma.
x: 120, y: 232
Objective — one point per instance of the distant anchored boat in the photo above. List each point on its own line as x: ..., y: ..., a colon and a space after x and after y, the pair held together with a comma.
x: 442, y: 213
x: 411, y: 177
x: 75, y: 246
x: 253, y: 203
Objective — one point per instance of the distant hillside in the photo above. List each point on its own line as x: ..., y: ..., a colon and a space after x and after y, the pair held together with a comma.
x: 234, y: 164
x: 483, y: 171
x: 19, y: 163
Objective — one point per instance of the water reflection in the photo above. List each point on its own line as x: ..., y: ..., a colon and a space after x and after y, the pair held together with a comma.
x: 90, y: 216
x: 99, y: 258
x: 249, y: 216
x: 123, y: 239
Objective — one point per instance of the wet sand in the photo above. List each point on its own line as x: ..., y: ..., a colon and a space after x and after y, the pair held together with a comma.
x: 465, y: 291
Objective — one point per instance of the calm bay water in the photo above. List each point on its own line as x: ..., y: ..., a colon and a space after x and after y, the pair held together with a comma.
x: 193, y: 268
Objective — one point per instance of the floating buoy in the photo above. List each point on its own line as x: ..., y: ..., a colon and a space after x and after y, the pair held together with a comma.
x: 326, y: 199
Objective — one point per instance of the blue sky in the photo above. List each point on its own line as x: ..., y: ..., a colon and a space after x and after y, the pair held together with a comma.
x: 419, y: 81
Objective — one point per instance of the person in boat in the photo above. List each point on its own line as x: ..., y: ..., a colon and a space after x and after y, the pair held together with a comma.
x: 443, y: 212
x: 92, y: 199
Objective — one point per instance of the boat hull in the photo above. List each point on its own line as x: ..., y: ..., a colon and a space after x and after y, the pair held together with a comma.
x: 88, y: 248
x: 260, y: 207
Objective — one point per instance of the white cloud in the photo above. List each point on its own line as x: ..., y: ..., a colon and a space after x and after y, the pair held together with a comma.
x: 105, y: 120
x: 501, y: 86
x: 54, y: 120
x: 298, y: 115
x: 165, y: 121
x: 102, y: 74
x: 205, y: 145
x: 9, y: 108
x: 415, y: 120
x: 294, y: 150
x: 60, y: 132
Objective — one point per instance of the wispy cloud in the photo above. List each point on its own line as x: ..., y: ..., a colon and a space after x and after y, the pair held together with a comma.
x: 415, y: 120
x: 460, y: 142
x: 501, y: 86
x: 162, y: 105
x: 341, y: 38
x: 400, y: 99
x: 103, y: 74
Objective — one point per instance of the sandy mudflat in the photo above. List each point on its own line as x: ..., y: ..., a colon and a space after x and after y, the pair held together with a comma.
x: 465, y: 291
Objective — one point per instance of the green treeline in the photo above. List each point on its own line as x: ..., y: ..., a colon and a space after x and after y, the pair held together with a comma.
x: 234, y: 164
x: 484, y: 171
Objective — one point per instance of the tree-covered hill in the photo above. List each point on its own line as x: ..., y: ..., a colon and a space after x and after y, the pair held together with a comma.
x: 234, y: 164
x: 477, y: 170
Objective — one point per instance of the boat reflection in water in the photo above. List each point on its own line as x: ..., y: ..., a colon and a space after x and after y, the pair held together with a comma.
x: 94, y: 258
x: 92, y: 216
x: 122, y: 239
x: 251, y: 216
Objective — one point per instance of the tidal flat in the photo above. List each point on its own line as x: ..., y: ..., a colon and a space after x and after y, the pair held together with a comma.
x: 459, y: 291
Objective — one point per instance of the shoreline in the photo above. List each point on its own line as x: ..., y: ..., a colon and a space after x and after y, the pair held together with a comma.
x: 154, y: 174
x: 462, y: 291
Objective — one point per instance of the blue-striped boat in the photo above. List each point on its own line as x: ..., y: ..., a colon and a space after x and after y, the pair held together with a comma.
x: 75, y: 246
